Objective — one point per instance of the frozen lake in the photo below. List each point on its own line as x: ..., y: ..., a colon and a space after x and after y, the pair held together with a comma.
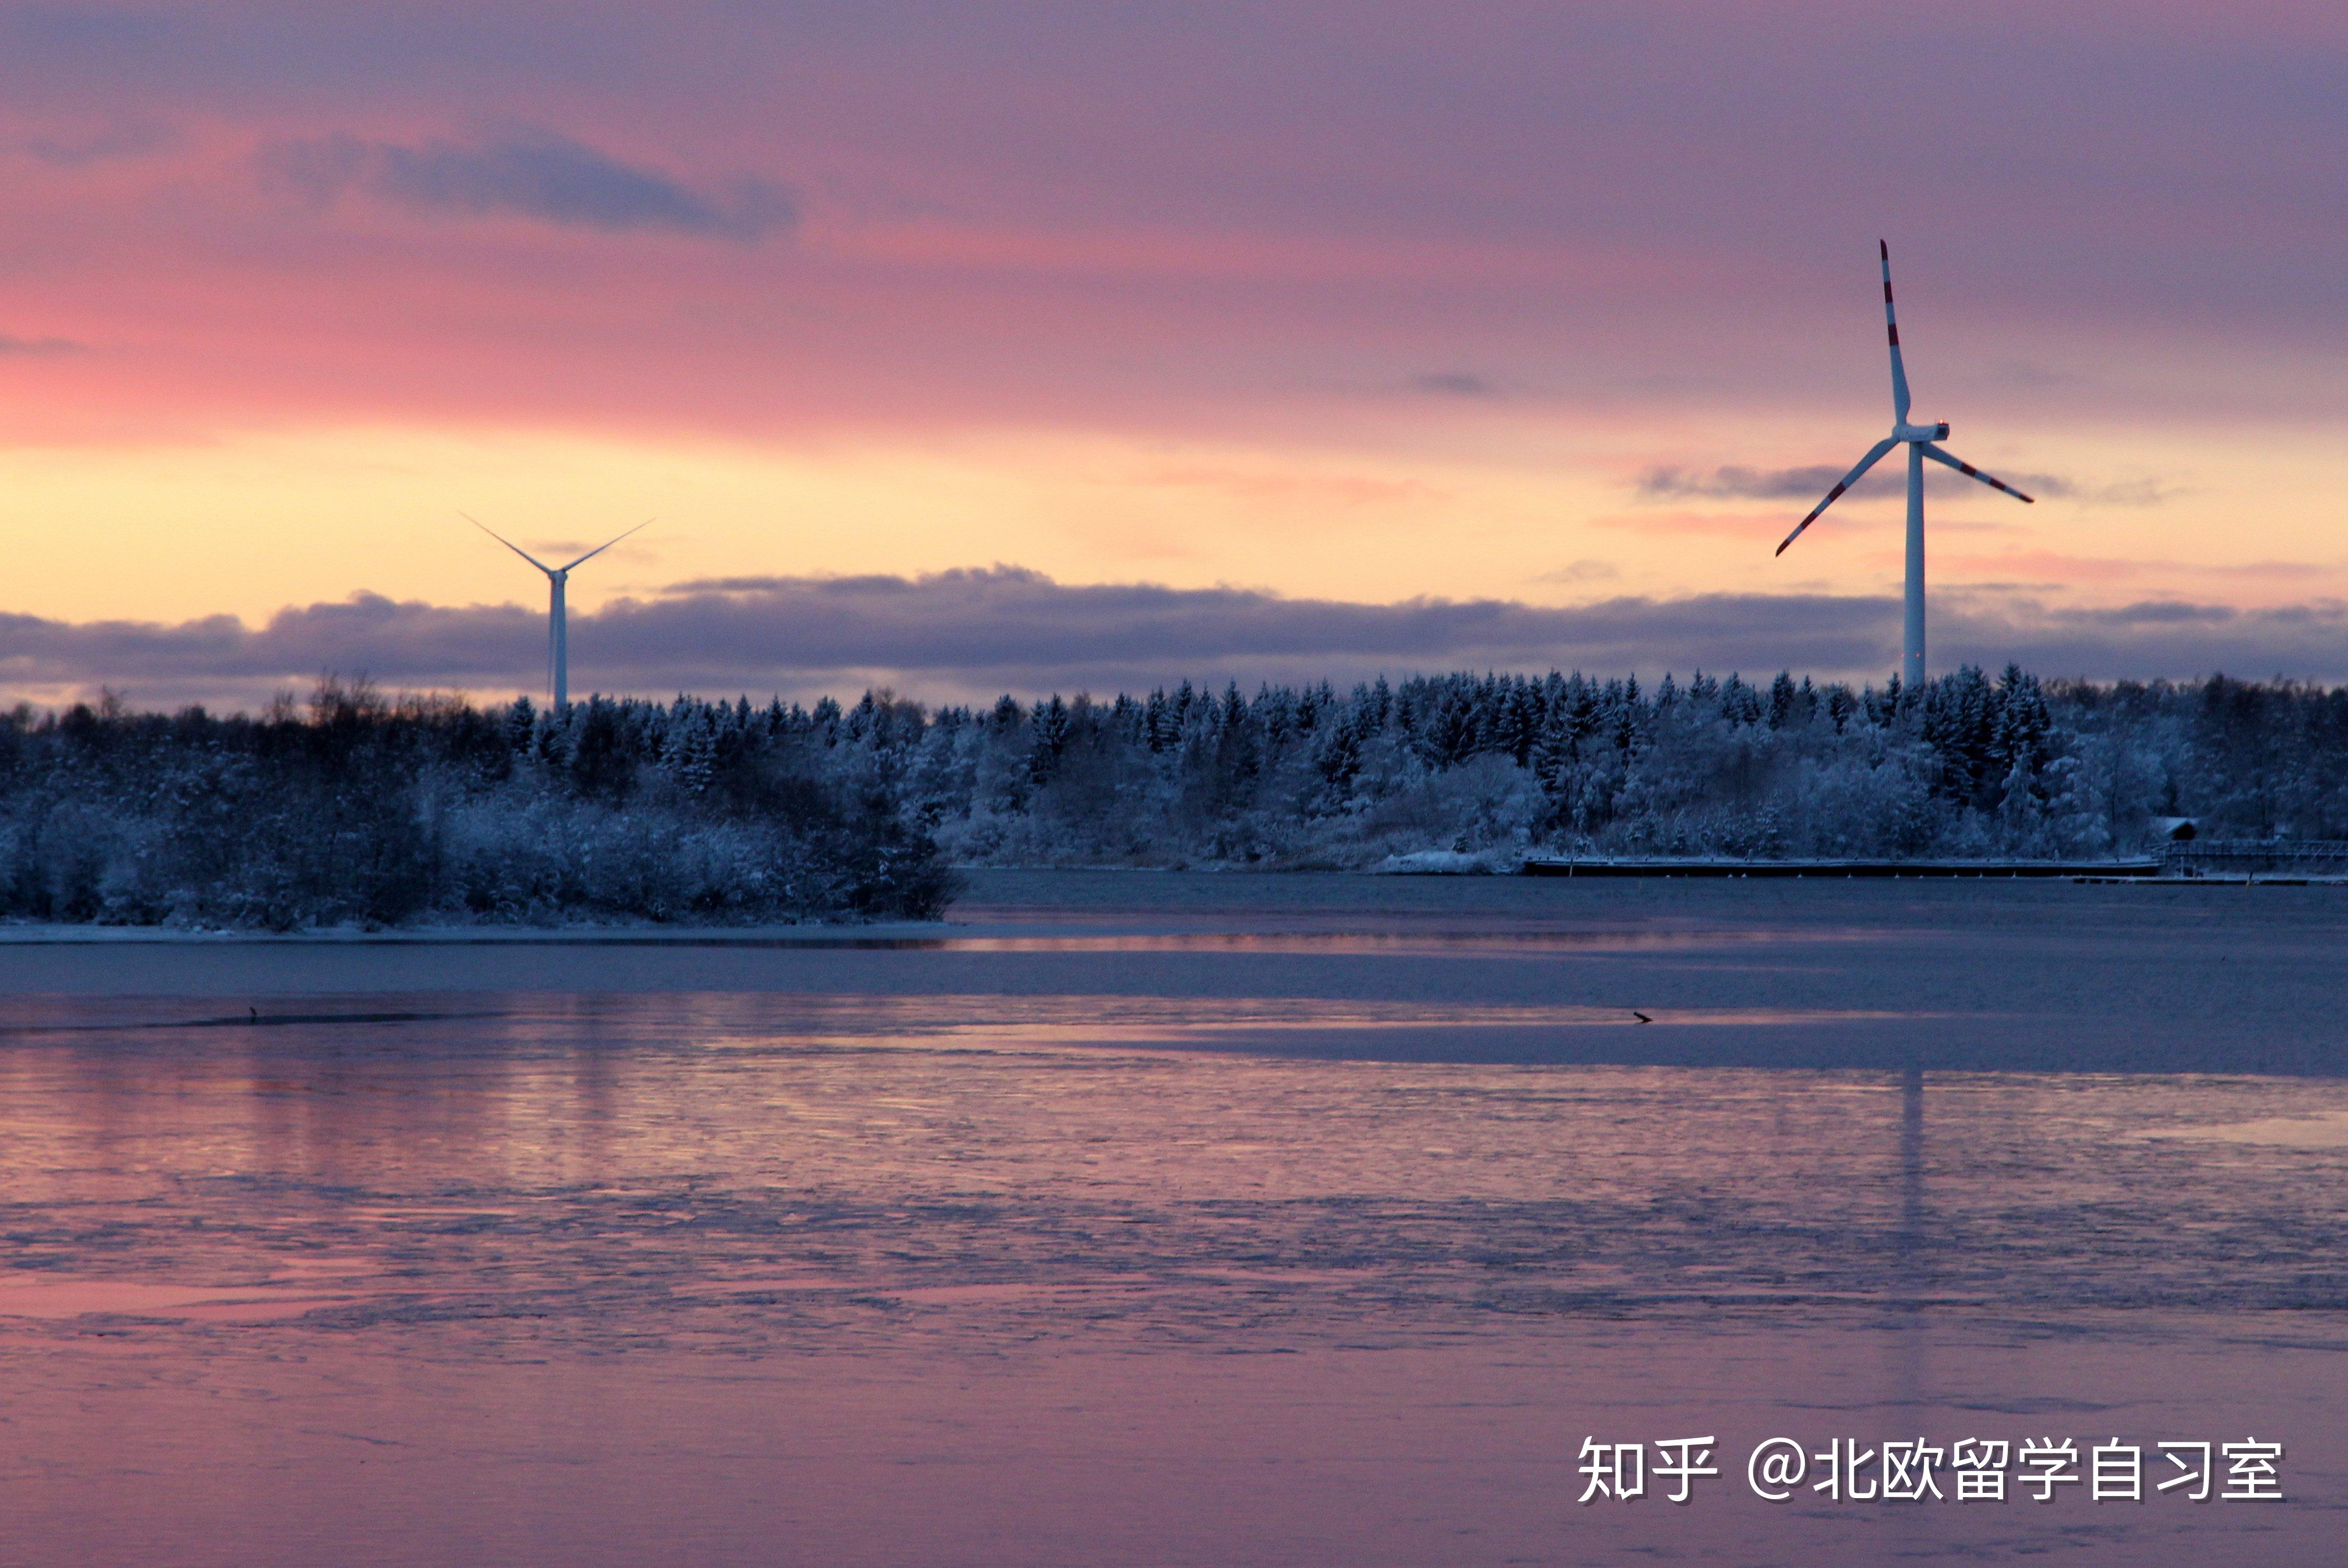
x: 1163, y: 1219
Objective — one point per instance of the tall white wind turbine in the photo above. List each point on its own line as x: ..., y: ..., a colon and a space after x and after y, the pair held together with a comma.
x: 558, y: 626
x: 1921, y: 441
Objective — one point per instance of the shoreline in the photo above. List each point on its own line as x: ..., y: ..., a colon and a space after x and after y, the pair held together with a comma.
x: 808, y: 936
x: 1009, y: 908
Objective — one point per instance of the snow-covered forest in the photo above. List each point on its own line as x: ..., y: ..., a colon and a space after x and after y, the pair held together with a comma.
x: 356, y: 809
x: 1501, y: 765
x: 367, y: 812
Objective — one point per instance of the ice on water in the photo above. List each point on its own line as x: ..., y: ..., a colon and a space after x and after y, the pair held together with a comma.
x: 1172, y: 1220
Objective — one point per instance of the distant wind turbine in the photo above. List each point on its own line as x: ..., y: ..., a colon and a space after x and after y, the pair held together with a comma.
x: 1919, y: 439
x: 558, y: 626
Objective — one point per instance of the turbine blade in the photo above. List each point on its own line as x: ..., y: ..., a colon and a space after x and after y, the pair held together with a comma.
x: 1970, y: 472
x: 607, y: 544
x: 507, y: 542
x: 1874, y: 455
x: 1891, y: 328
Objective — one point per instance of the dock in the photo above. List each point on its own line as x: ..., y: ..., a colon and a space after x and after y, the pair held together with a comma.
x: 1693, y: 866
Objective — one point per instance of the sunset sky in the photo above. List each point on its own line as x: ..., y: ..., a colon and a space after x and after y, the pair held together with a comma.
x: 975, y: 347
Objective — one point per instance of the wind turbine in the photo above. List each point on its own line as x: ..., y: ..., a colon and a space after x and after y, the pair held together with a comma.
x: 558, y: 653
x: 1920, y: 441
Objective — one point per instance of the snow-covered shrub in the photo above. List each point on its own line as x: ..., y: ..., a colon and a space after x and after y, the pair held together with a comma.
x: 370, y: 813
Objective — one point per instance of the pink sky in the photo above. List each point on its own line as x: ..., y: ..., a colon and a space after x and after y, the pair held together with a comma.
x: 1356, y: 304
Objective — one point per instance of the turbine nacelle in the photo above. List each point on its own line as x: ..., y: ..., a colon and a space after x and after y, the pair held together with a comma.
x: 1903, y: 431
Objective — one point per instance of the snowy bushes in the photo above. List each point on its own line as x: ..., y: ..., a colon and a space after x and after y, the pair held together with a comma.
x: 375, y: 813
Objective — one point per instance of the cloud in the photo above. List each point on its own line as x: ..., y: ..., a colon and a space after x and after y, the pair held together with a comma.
x: 2128, y: 493
x: 1587, y: 570
x: 1599, y: 213
x: 1807, y: 483
x: 1453, y: 384
x: 967, y: 634
x: 2059, y: 570
x: 525, y: 172
x: 1737, y: 483
x: 14, y: 347
x: 114, y: 144
x: 96, y: 29
x: 2171, y: 638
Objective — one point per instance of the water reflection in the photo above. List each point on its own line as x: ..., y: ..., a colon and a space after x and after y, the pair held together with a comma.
x: 934, y: 1250
x: 881, y: 1147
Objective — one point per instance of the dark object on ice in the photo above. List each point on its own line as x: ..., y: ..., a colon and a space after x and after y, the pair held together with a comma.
x: 1643, y: 1017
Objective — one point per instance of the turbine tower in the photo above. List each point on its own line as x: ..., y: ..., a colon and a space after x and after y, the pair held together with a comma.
x: 1921, y: 441
x: 558, y: 628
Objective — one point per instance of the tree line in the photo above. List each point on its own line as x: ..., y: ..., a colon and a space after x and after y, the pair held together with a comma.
x: 1502, y: 766
x: 356, y: 808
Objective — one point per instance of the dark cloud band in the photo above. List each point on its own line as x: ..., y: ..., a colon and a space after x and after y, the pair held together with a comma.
x: 1734, y: 482
x: 971, y: 633
x: 525, y: 172
x: 14, y: 347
